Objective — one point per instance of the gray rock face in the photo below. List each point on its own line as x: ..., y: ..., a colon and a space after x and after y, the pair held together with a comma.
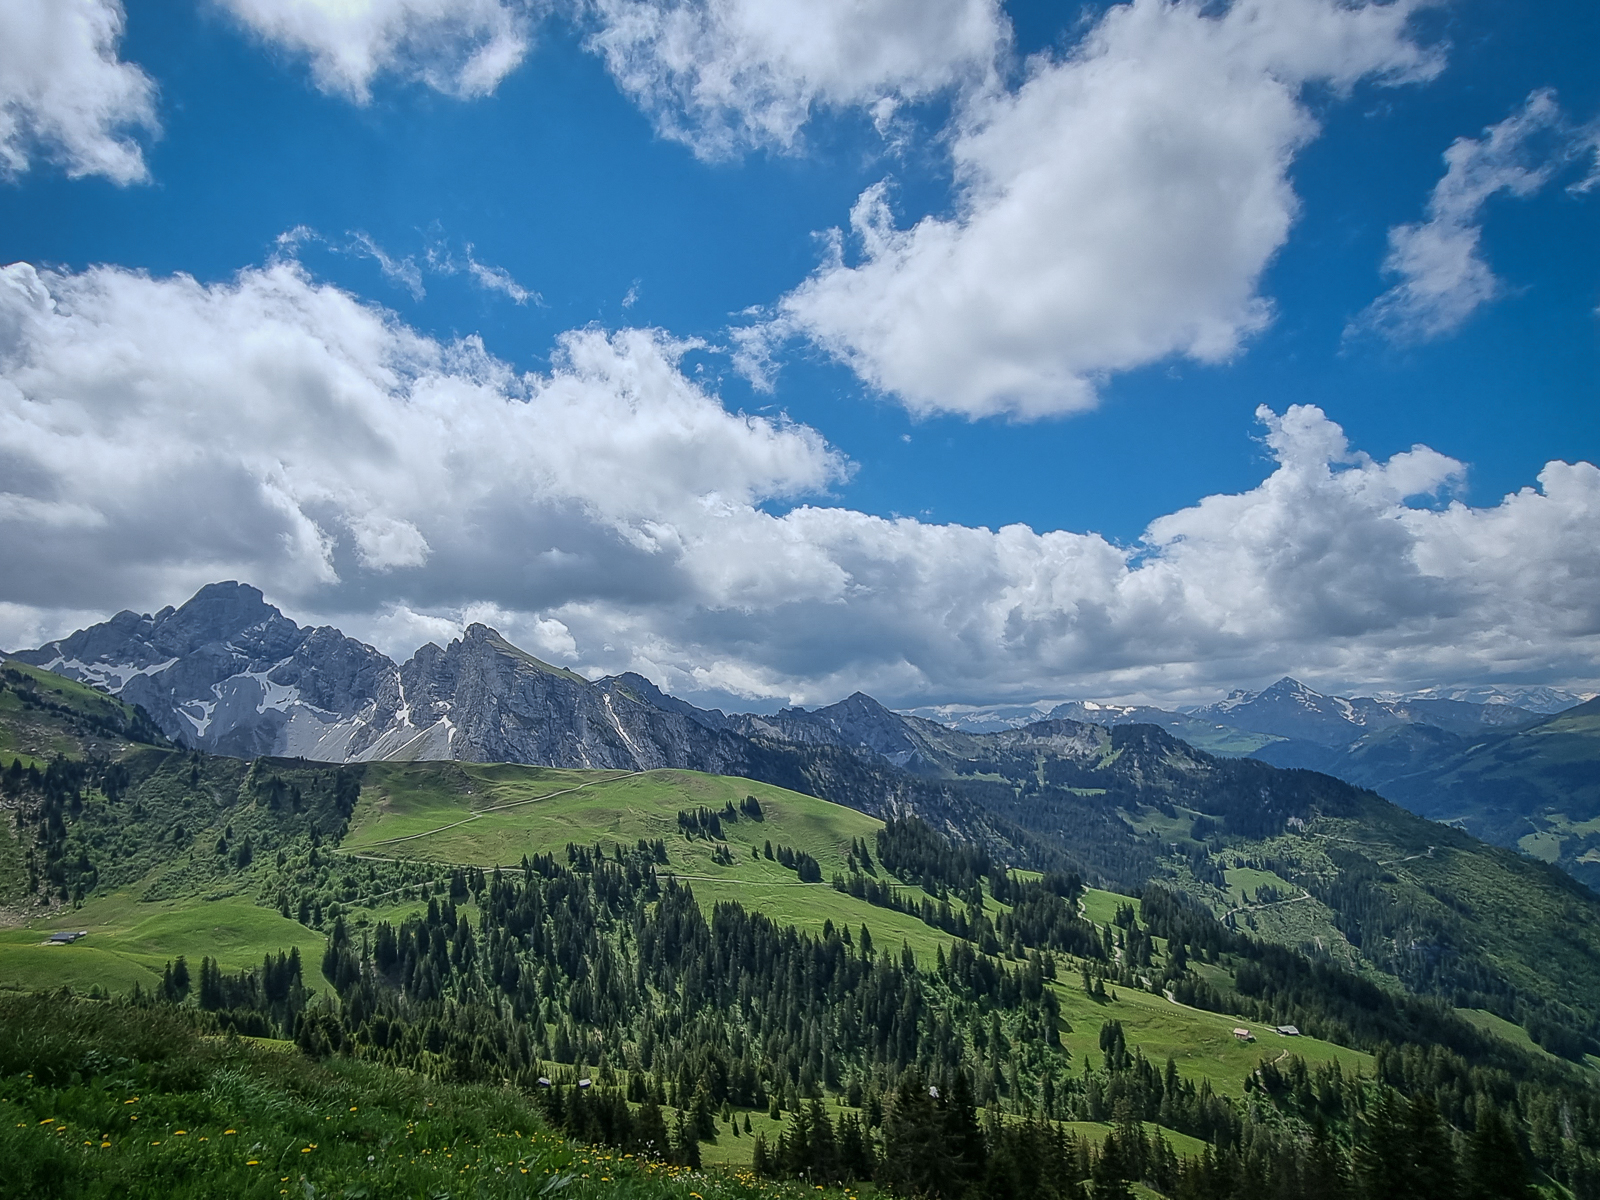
x: 229, y: 674
x: 501, y: 704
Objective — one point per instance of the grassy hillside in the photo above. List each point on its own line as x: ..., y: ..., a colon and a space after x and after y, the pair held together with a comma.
x: 1350, y: 876
x: 1538, y: 790
x: 488, y: 815
x: 494, y: 814
x: 43, y: 714
x: 130, y: 942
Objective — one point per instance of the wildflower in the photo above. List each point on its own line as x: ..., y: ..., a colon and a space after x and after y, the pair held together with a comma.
x: 180, y: 1133
x: 47, y: 1121
x: 253, y: 1162
x: 227, y: 1131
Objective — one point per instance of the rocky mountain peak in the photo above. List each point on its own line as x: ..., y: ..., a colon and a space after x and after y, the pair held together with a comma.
x: 216, y: 613
x: 227, y: 672
x: 479, y: 639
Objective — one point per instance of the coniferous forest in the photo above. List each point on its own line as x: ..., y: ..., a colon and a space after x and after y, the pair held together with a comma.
x: 635, y: 1020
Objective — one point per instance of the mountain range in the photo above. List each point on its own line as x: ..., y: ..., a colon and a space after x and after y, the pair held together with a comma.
x: 229, y: 674
x: 1301, y: 859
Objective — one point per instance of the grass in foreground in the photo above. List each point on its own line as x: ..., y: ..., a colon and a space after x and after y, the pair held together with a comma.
x: 109, y: 1099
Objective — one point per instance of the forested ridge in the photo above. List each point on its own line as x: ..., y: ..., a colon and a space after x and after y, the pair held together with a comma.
x: 597, y: 970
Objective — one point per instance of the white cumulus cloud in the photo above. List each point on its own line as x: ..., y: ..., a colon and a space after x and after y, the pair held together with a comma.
x: 65, y: 94
x: 158, y: 433
x: 723, y: 76
x: 458, y: 47
x: 1117, y: 209
x: 1443, y: 276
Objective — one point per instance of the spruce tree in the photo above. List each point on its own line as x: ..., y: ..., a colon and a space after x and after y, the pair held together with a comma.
x: 1432, y: 1152
x: 916, y: 1156
x: 1112, y: 1172
x: 824, y: 1158
x: 703, y: 1114
x: 650, y: 1138
x: 685, y: 1146
x: 963, y: 1136
x: 1496, y: 1167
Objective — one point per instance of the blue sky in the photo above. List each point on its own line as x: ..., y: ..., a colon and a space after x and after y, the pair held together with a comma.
x: 603, y: 205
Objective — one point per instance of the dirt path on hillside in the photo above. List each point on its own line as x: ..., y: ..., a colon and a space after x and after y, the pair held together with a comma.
x: 1304, y: 895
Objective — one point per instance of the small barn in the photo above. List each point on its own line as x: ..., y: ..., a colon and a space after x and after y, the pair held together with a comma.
x: 1244, y: 1035
x: 1288, y: 1031
x: 65, y: 937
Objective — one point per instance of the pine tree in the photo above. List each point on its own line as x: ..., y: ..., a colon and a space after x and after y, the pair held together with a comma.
x: 703, y: 1114
x: 916, y: 1158
x: 1433, y: 1159
x: 685, y: 1146
x: 1112, y: 1172
x: 650, y: 1138
x: 1379, y: 1155
x: 962, y: 1134
x: 824, y: 1158
x: 1496, y: 1168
